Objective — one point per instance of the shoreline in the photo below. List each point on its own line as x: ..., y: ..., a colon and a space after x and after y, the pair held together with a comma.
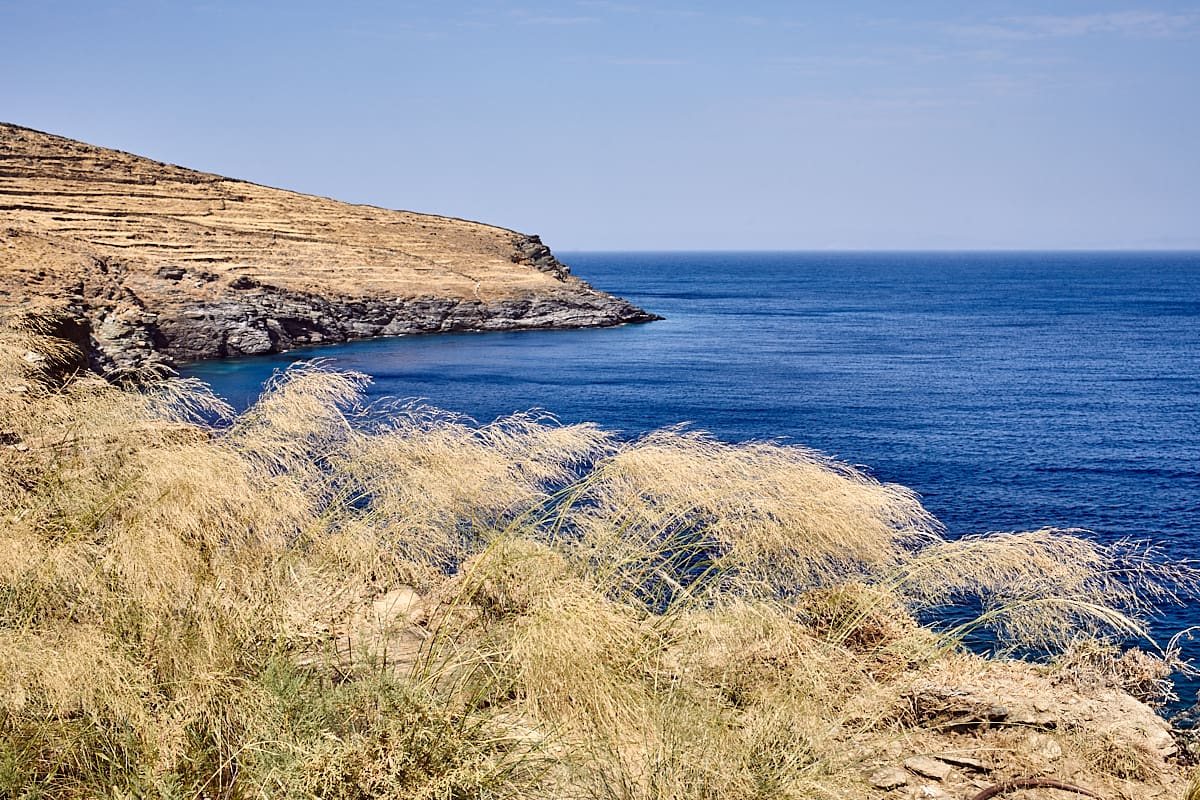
x: 267, y: 320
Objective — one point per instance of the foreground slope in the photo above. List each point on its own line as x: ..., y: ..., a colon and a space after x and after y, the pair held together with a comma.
x: 292, y: 605
x: 160, y: 262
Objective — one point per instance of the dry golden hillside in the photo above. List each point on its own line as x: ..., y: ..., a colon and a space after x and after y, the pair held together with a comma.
x: 157, y: 260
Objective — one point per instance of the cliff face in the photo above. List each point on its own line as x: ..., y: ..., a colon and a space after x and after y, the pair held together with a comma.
x: 162, y: 264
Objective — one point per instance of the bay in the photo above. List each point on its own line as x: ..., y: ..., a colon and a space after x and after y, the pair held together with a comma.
x: 1011, y: 390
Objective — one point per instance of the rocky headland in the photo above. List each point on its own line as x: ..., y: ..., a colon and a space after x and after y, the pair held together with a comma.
x: 156, y: 264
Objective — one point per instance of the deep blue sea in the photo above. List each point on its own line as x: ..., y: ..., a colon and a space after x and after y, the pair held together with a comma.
x: 1011, y: 390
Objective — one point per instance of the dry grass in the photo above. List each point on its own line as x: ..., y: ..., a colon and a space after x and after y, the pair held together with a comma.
x: 70, y: 199
x: 212, y: 611
x: 1042, y: 589
x: 1193, y: 790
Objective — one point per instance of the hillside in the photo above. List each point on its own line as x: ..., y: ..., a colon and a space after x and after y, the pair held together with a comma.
x: 162, y: 264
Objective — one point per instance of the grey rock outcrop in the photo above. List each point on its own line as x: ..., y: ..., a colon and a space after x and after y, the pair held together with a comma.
x: 268, y: 319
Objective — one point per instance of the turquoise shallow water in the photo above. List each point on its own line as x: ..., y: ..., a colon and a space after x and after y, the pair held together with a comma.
x: 1011, y: 390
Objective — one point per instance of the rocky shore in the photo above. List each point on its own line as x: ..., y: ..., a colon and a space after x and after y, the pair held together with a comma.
x: 158, y: 264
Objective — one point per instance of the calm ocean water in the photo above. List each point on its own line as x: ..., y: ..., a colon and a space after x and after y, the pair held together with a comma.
x: 1011, y: 390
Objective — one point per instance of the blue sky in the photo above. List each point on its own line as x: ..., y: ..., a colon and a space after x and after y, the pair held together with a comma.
x: 656, y: 125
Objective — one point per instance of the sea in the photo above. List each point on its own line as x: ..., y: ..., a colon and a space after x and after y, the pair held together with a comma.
x: 1011, y: 390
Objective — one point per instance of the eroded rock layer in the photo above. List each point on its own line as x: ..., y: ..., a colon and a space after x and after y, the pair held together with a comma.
x: 162, y: 263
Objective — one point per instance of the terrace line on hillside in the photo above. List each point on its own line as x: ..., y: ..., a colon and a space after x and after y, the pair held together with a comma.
x: 158, y: 263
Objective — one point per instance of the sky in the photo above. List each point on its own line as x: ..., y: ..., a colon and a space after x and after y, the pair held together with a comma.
x: 646, y: 125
